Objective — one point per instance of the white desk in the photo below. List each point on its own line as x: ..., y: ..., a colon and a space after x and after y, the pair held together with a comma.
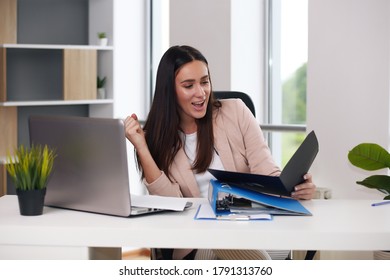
x: 335, y: 225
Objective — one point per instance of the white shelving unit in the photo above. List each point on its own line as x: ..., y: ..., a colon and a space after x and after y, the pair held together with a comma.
x: 51, y: 66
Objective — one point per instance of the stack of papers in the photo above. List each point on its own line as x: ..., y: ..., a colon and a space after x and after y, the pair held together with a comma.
x: 205, y: 212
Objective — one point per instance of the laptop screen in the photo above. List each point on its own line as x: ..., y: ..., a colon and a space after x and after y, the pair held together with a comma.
x: 90, y: 172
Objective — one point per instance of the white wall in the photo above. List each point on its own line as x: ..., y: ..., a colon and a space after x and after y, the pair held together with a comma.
x: 130, y: 69
x: 130, y: 58
x: 248, y: 50
x: 348, y: 87
x: 204, y: 25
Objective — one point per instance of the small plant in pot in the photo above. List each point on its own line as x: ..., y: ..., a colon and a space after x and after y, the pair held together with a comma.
x: 101, y: 82
x: 30, y: 169
x: 372, y: 157
x: 103, y: 40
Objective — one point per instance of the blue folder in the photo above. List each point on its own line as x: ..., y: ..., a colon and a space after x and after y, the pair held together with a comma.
x: 228, y: 199
x: 292, y: 173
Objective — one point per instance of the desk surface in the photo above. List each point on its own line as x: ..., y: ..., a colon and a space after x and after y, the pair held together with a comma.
x: 335, y: 225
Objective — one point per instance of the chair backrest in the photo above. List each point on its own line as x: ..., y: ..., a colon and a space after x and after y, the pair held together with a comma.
x: 236, y: 94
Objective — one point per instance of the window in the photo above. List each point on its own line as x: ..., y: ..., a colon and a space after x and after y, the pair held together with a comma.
x: 287, y: 60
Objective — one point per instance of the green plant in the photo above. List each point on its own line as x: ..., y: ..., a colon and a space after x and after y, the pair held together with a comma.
x: 371, y: 157
x: 30, y: 168
x: 102, y: 35
x: 101, y: 82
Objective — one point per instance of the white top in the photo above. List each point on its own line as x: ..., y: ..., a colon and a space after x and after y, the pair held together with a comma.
x: 203, y: 179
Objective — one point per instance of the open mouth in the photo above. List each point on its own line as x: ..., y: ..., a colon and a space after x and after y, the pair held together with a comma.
x: 198, y: 104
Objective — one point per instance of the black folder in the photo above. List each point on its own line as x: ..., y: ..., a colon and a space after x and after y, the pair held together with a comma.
x: 292, y: 174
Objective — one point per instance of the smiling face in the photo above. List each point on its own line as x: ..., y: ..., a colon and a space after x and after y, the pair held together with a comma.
x: 193, y: 89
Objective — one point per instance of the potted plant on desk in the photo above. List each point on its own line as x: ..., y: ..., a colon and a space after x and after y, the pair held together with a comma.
x: 372, y: 157
x: 30, y: 170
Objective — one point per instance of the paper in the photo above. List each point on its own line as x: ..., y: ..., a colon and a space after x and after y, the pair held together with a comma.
x: 205, y: 212
x: 160, y: 202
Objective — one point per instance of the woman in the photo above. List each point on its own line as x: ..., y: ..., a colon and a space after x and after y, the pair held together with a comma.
x: 187, y: 132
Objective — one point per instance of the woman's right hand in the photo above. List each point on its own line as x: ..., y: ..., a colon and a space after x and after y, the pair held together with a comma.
x: 134, y: 132
x: 136, y: 136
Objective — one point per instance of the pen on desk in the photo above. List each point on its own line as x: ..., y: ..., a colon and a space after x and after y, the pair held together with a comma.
x: 381, y: 203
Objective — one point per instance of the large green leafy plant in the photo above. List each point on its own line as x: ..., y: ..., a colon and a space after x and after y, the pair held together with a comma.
x: 371, y: 157
x: 30, y: 168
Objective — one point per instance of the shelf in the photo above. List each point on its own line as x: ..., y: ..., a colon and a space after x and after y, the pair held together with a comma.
x: 57, y: 47
x: 55, y: 102
x: 49, y: 64
x: 4, y: 160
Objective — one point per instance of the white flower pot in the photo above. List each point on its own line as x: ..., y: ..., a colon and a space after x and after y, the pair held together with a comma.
x: 103, y: 41
x: 101, y: 93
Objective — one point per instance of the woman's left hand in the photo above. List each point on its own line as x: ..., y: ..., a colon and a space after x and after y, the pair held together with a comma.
x: 306, y: 190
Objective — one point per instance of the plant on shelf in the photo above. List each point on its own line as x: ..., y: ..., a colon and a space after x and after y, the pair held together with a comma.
x: 372, y: 157
x: 101, y: 82
x: 102, y: 35
x: 30, y: 169
x: 103, y: 40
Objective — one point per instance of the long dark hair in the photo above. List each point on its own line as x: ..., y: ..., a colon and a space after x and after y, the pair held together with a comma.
x: 163, y: 122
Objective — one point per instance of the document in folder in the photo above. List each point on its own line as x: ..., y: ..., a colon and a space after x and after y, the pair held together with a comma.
x: 233, y: 200
x: 283, y: 185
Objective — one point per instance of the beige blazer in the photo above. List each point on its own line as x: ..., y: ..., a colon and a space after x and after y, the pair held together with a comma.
x: 239, y: 142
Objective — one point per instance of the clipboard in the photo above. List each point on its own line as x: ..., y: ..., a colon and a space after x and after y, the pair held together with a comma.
x: 283, y: 185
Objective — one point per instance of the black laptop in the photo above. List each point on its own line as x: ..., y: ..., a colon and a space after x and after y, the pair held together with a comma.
x: 283, y: 185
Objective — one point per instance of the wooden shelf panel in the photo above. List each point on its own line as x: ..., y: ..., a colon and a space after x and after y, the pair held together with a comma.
x: 80, y: 72
x: 8, y: 28
x: 8, y: 127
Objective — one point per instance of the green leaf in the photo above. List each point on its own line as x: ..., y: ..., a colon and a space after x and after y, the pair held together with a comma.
x: 31, y: 167
x: 369, y: 156
x: 380, y: 182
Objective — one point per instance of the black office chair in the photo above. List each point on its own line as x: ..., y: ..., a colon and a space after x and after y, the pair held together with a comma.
x: 236, y: 94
